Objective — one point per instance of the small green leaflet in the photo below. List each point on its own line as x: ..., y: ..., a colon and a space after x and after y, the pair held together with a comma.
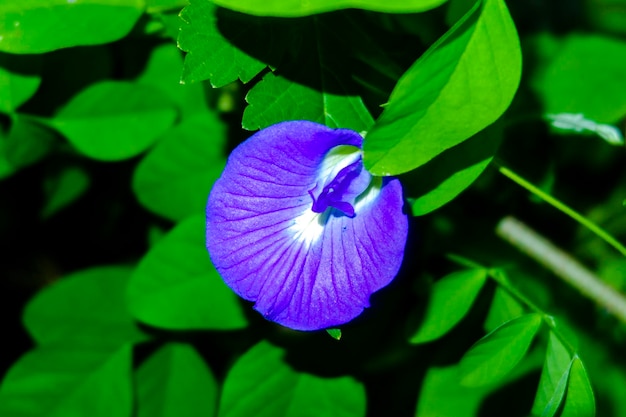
x: 462, y: 84
x: 493, y: 356
x: 295, y: 8
x: 334, y: 333
x: 450, y: 300
x: 63, y: 188
x: 579, y: 399
x: 554, y: 378
x: 19, y: 80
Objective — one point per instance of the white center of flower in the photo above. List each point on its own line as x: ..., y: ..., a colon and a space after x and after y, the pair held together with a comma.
x: 308, y: 227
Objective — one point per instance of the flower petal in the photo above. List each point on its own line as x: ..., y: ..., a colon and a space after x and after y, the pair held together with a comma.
x: 304, y: 270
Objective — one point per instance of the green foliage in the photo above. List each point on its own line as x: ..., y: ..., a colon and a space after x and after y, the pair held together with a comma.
x: 261, y: 373
x: 294, y: 8
x: 63, y: 381
x: 452, y: 92
x: 493, y: 356
x: 34, y: 26
x: 176, y: 287
x: 111, y: 121
x: 19, y: 80
x: 63, y: 188
x: 450, y: 299
x: 86, y: 308
x: 175, y: 382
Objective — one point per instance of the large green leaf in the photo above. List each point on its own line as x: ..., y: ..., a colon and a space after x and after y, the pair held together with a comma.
x: 85, y: 308
x: 177, y: 287
x: 275, y: 99
x: 463, y: 83
x: 293, y: 8
x: 554, y: 377
x: 175, y: 382
x: 36, y: 26
x: 450, y: 299
x: 493, y: 356
x: 175, y: 177
x: 262, y: 384
x: 114, y: 120
x: 575, y: 70
x: 579, y: 398
x: 55, y: 381
x: 19, y: 80
x: 443, y: 178
x: 209, y: 54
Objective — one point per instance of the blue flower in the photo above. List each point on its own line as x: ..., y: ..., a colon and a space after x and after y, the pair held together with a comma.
x: 297, y: 225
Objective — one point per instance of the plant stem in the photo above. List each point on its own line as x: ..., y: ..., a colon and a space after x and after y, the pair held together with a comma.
x: 600, y: 232
x: 562, y: 265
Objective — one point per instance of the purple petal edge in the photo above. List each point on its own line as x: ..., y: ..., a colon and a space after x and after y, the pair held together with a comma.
x: 303, y: 276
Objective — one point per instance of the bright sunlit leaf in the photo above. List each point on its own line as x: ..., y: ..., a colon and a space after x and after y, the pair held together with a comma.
x: 462, y: 84
x: 293, y: 8
x: 36, y: 26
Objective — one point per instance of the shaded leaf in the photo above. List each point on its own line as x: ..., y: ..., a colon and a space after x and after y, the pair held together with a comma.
x: 554, y: 378
x: 19, y: 80
x: 463, y: 83
x: 175, y: 382
x: 450, y: 300
x: 59, y: 381
x: 273, y: 389
x: 175, y: 177
x: 504, y: 307
x: 293, y: 8
x: 177, y: 287
x: 443, y: 178
x: 63, y: 189
x: 33, y: 26
x: 276, y: 98
x: 115, y: 120
x: 493, y: 356
x: 210, y: 56
x: 575, y: 70
x: 86, y: 308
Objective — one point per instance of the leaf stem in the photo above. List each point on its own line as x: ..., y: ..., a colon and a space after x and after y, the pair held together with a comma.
x: 597, y: 230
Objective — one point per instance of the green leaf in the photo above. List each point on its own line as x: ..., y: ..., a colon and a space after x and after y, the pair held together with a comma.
x: 19, y: 80
x: 576, y: 70
x: 177, y: 287
x: 209, y: 54
x: 114, y: 120
x: 56, y: 381
x: 554, y: 377
x: 37, y: 26
x: 463, y: 83
x: 294, y: 8
x: 175, y: 382
x: 175, y: 177
x: 450, y: 300
x: 86, y: 308
x: 275, y: 99
x: 27, y: 142
x: 579, y: 399
x: 441, y: 179
x: 334, y: 333
x: 262, y: 384
x: 493, y: 356
x: 504, y: 307
x: 63, y: 188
